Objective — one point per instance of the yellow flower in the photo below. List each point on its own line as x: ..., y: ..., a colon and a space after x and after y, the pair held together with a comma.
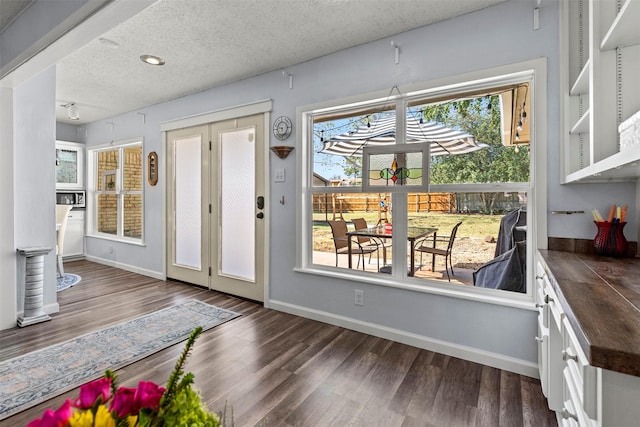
x: 85, y: 418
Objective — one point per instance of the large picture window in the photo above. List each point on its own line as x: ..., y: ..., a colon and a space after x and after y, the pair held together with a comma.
x: 116, y: 189
x: 470, y: 229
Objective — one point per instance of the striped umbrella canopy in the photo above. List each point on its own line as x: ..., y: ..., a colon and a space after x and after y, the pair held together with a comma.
x: 443, y: 140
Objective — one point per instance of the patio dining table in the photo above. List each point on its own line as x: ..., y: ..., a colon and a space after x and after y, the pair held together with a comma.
x: 380, y: 232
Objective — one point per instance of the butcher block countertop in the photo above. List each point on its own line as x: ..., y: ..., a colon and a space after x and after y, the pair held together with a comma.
x: 601, y: 298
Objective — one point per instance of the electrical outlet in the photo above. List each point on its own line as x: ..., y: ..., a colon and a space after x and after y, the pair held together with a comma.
x: 358, y: 297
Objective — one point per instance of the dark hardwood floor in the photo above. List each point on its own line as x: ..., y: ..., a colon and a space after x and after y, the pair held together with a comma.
x: 282, y: 370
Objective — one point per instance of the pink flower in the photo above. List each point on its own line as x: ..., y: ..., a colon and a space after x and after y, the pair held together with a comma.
x: 91, y: 392
x: 148, y: 395
x: 129, y: 401
x: 52, y: 418
x: 123, y: 402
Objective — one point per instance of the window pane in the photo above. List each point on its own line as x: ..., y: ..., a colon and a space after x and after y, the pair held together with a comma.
x: 479, y: 239
x: 188, y: 202
x: 485, y: 152
x: 108, y: 213
x: 361, y: 211
x: 66, y: 166
x: 237, y: 211
x: 338, y: 146
x: 132, y: 169
x: 107, y: 167
x: 132, y: 216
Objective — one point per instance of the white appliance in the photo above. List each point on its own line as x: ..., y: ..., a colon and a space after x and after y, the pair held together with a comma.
x: 74, y: 198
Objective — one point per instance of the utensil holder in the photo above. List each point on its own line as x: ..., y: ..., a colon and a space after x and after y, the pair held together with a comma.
x: 610, y: 240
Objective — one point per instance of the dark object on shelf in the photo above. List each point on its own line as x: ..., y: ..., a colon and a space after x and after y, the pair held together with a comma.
x: 610, y: 240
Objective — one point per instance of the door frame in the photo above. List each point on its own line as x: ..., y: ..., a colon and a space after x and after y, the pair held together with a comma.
x: 261, y: 107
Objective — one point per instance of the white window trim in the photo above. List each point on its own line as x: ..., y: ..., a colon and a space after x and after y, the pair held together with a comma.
x: 533, y: 70
x: 92, y: 212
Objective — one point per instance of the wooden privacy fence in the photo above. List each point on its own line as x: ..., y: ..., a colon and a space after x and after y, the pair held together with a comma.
x: 337, y: 203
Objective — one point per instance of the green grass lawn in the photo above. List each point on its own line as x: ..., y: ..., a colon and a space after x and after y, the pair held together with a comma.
x: 474, y: 226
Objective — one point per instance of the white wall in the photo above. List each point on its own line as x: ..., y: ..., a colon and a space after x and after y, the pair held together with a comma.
x: 8, y: 289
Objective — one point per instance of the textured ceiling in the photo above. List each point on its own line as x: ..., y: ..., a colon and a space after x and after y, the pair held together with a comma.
x: 10, y: 10
x: 207, y: 43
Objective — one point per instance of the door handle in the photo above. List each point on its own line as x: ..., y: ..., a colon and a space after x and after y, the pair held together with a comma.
x: 260, y: 202
x: 259, y: 215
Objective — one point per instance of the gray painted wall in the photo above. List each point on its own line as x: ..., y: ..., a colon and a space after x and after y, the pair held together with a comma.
x: 67, y: 132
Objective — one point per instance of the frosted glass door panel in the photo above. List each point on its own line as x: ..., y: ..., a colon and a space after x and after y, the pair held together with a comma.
x: 188, y: 207
x: 237, y: 208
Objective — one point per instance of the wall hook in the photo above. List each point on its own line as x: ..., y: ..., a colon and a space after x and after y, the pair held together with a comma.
x: 397, y: 51
x: 285, y: 74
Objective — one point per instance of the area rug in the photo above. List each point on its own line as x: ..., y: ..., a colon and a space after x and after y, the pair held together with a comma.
x: 38, y: 376
x: 67, y: 280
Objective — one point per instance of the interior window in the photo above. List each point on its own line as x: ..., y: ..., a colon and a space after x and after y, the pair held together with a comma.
x: 469, y: 228
x: 117, y: 191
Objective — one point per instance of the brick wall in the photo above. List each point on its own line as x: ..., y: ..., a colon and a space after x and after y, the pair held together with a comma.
x: 132, y: 181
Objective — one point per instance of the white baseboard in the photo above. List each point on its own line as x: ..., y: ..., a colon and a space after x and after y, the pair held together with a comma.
x: 499, y: 361
x: 54, y: 307
x: 150, y: 273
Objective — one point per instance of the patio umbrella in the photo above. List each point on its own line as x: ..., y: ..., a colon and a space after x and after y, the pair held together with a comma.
x: 443, y: 140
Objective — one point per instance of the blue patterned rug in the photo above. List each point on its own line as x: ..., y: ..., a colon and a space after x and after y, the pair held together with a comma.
x: 38, y: 376
x: 67, y: 280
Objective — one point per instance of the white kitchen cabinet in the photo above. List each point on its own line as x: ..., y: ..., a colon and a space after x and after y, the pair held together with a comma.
x: 74, y: 235
x: 69, y: 165
x: 600, y: 50
x: 581, y: 394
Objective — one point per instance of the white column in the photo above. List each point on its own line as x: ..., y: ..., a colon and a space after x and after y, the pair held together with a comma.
x: 33, y: 286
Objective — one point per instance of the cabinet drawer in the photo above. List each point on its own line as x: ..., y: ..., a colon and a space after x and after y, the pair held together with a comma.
x: 567, y: 415
x: 572, y: 408
x: 546, y: 299
x: 553, y: 304
x: 578, y: 373
x: 543, y: 309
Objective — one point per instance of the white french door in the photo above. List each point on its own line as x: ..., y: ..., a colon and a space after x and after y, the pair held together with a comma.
x: 216, y: 206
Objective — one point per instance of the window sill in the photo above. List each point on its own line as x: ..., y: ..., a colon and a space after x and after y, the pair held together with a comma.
x: 134, y: 242
x: 487, y: 296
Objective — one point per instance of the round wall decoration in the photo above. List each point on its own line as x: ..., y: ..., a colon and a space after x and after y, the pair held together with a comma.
x: 282, y: 128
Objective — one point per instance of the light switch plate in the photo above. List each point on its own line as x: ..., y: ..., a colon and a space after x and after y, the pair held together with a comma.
x: 279, y: 175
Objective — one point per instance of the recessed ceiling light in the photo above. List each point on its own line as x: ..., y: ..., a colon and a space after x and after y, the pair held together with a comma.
x: 152, y: 59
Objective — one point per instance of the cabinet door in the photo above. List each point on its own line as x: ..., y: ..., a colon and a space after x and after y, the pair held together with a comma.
x: 74, y: 235
x: 550, y: 341
x: 69, y: 166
